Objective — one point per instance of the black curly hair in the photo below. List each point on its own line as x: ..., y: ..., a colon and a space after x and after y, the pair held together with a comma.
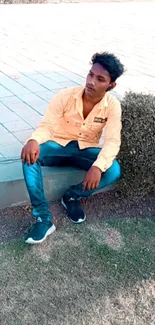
x: 110, y: 63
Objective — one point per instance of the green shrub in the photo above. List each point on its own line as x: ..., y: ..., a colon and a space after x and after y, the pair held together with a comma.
x: 137, y: 154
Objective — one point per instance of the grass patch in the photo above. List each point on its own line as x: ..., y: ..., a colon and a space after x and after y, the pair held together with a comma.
x: 89, y: 274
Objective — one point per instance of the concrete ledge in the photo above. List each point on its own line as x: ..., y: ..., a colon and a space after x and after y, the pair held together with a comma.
x: 57, y: 180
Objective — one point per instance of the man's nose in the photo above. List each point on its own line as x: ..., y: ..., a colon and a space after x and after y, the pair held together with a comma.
x: 92, y: 81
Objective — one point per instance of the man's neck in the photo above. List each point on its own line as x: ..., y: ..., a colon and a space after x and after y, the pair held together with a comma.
x: 92, y: 100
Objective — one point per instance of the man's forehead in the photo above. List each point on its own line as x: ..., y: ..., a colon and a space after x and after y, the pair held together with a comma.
x: 97, y: 69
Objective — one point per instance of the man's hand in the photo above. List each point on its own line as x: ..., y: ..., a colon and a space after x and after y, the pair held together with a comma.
x: 30, y: 152
x: 92, y: 178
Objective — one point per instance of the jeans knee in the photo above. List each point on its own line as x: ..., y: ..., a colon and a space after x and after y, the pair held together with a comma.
x: 116, y: 170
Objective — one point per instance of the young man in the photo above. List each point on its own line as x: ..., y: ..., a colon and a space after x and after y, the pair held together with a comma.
x: 70, y: 131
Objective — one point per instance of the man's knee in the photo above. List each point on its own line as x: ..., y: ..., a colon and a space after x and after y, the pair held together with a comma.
x: 116, y: 170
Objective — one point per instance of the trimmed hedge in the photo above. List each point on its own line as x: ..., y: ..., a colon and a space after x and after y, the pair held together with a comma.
x: 137, y: 154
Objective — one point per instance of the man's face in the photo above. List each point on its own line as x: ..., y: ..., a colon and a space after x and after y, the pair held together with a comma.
x: 98, y: 81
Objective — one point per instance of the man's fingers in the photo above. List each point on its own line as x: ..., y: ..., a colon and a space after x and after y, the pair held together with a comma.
x: 37, y: 155
x: 23, y: 156
x: 96, y: 184
x: 28, y: 158
x: 92, y: 186
x: 32, y: 157
x: 89, y: 184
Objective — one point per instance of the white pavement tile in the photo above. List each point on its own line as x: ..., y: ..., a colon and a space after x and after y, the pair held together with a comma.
x: 34, y: 121
x: 3, y: 130
x: 10, y: 100
x: 32, y: 98
x: 35, y: 102
x: 68, y: 84
x: 4, y: 92
x: 13, y: 151
x: 22, y: 136
x: 15, y: 126
x: 55, y: 76
x: 6, y: 115
x: 48, y: 83
x: 14, y: 86
x: 7, y: 139
x: 47, y: 95
x: 74, y: 77
x: 31, y: 85
x: 23, y: 110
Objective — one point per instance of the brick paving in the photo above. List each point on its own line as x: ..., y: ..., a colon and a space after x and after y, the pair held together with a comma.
x: 45, y: 48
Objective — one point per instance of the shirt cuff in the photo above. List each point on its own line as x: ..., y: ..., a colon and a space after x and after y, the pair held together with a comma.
x: 101, y: 164
x: 34, y: 138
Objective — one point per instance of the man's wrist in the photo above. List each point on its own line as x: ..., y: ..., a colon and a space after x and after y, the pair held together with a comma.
x: 97, y: 168
x: 32, y: 140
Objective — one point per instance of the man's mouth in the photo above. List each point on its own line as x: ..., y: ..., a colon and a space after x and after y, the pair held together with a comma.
x: 89, y: 88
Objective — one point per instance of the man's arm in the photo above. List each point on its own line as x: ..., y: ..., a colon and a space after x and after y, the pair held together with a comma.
x: 112, y: 142
x: 53, y: 114
x: 109, y: 151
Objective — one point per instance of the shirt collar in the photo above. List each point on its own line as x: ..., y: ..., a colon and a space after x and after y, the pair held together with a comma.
x: 101, y: 105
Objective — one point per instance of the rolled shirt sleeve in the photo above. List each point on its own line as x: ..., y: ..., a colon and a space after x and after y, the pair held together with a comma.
x: 112, y: 141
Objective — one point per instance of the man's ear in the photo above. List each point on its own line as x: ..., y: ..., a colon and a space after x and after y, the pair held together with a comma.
x: 112, y: 86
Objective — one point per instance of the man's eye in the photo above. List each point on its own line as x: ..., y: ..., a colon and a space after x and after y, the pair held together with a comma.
x: 102, y: 80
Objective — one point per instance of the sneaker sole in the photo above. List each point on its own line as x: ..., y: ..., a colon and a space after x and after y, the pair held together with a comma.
x: 49, y: 232
x: 76, y: 222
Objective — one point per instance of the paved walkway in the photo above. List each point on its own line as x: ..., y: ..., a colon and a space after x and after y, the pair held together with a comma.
x: 45, y: 48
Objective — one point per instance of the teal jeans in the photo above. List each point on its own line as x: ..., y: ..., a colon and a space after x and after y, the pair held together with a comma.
x: 53, y: 154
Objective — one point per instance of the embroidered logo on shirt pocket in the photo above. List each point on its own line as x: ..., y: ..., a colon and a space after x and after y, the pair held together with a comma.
x: 100, y: 120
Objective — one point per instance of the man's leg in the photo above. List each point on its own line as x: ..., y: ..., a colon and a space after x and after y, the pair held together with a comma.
x: 84, y: 160
x: 51, y: 154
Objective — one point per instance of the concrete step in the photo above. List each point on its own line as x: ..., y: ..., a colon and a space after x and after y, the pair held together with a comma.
x: 57, y: 180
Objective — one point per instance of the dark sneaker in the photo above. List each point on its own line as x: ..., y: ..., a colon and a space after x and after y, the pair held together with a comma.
x: 74, y: 210
x: 39, y: 232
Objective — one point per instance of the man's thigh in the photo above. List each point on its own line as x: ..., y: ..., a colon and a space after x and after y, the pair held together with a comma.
x: 85, y: 158
x: 53, y: 154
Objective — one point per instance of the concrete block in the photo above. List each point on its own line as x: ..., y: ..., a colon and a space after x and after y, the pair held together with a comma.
x: 57, y: 180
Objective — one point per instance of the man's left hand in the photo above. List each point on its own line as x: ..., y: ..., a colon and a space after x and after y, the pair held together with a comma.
x: 92, y: 178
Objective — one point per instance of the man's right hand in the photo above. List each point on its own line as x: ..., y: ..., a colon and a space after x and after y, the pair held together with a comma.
x: 30, y: 153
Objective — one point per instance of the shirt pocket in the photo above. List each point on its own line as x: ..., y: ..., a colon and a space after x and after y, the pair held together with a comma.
x: 70, y: 125
x: 98, y: 126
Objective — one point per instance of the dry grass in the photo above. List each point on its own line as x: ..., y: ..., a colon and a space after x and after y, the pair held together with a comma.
x: 82, y: 275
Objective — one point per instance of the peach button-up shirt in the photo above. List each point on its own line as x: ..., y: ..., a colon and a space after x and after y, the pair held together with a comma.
x: 64, y: 122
